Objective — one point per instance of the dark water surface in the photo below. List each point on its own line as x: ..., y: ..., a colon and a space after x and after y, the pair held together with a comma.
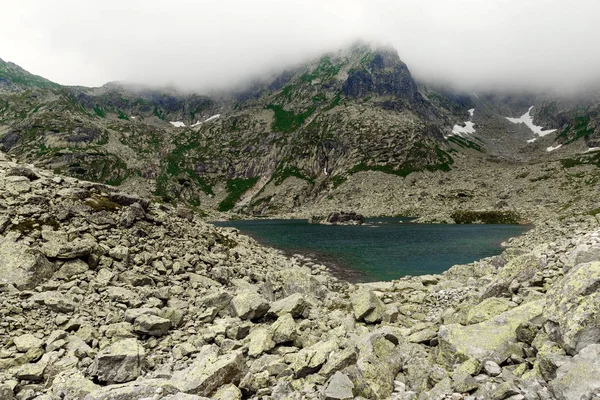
x: 383, y: 248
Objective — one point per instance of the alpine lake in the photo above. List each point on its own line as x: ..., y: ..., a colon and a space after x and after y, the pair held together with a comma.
x: 382, y: 249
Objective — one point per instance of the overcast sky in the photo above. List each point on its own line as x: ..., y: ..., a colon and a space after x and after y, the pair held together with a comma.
x: 208, y: 43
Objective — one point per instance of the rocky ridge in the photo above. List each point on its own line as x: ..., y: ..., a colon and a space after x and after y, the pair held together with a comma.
x: 106, y: 295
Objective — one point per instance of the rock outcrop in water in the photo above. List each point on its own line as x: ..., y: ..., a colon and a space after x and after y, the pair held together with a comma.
x: 339, y: 218
x: 104, y: 295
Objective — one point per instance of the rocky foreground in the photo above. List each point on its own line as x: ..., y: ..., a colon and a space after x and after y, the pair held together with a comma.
x: 104, y: 295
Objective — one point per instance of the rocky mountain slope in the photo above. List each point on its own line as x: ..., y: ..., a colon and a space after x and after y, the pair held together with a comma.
x: 286, y: 142
x: 106, y: 295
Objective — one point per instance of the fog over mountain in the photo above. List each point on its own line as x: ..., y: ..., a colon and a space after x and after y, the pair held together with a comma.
x: 202, y: 45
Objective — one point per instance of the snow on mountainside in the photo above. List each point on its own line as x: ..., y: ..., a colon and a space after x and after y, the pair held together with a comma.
x: 527, y: 119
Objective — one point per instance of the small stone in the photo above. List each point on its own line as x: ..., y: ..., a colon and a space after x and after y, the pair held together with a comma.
x: 491, y: 368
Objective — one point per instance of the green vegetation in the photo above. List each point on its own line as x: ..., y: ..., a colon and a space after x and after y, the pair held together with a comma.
x: 102, y: 203
x: 236, y: 188
x: 408, y: 167
x: 19, y: 76
x: 465, y: 143
x: 287, y: 121
x: 98, y: 111
x: 122, y: 115
x: 334, y: 103
x: 591, y: 159
x: 325, y: 70
x: 159, y: 114
x: 486, y: 217
x: 577, y: 129
x: 283, y: 172
x: 338, y: 180
x: 594, y: 212
x: 29, y: 225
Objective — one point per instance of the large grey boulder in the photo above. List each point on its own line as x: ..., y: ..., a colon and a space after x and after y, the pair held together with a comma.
x: 26, y: 342
x: 72, y: 385
x: 573, y: 308
x: 121, y: 362
x: 367, y: 306
x: 338, y: 387
x: 137, y: 390
x: 249, y: 305
x: 579, y: 378
x: 210, y: 371
x: 66, y: 250
x: 518, y: 269
x: 310, y: 359
x: 20, y: 266
x: 296, y: 305
x: 494, y: 339
x: 152, y: 325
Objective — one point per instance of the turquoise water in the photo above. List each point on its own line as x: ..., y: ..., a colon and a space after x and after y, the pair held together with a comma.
x: 382, y: 249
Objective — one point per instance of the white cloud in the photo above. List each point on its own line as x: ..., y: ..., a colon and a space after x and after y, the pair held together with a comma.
x: 197, y: 44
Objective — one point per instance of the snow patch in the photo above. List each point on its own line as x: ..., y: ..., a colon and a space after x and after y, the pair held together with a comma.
x: 206, y: 120
x: 532, y: 140
x: 212, y: 118
x: 177, y: 124
x: 458, y: 130
x: 527, y: 119
x: 591, y: 149
x: 549, y: 149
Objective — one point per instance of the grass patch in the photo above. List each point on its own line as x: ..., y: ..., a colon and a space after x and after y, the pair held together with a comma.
x: 465, y: 143
x: 284, y: 172
x: 338, y: 180
x: 486, y: 217
x: 29, y: 225
x: 288, y: 121
x: 102, y: 203
x: 122, y: 116
x: 577, y: 129
x: 236, y: 188
x: 98, y: 111
x: 592, y: 159
x: 408, y: 167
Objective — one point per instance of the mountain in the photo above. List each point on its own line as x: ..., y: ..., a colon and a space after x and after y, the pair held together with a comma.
x: 306, y: 138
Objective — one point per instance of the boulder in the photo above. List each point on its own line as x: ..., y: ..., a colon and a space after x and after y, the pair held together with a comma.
x: 310, y: 359
x: 367, y: 306
x: 284, y: 329
x: 210, y: 371
x: 55, y: 301
x: 296, y: 305
x: 494, y: 339
x: 152, y: 325
x: 20, y: 266
x: 338, y: 387
x: 26, y: 342
x: 72, y: 385
x: 121, y: 362
x: 573, y: 307
x: 518, y: 269
x: 261, y: 341
x: 249, y: 305
x: 578, y: 378
x: 66, y: 250
x: 487, y: 309
x: 345, y: 218
x: 137, y: 390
